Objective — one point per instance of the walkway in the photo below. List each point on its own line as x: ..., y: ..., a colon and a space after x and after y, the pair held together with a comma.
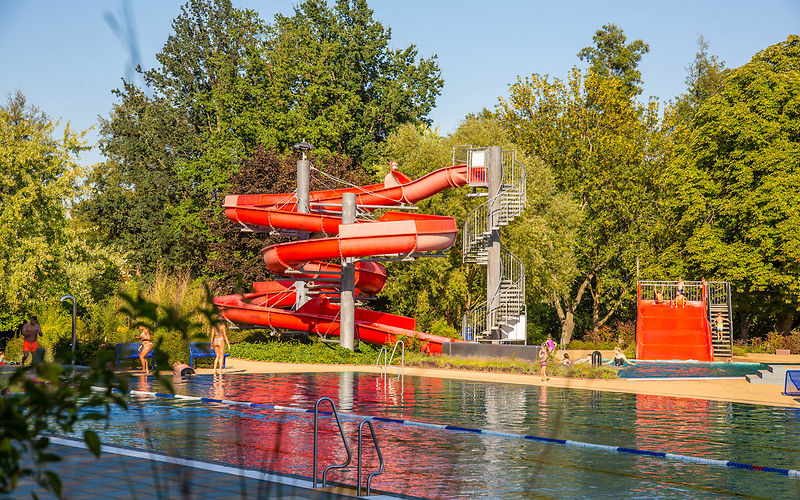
x: 129, y: 473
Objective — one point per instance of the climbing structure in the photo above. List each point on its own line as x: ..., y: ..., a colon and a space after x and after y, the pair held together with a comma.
x: 501, y: 317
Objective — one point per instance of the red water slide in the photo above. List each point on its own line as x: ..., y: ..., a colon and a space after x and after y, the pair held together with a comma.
x: 667, y: 332
x: 394, y: 233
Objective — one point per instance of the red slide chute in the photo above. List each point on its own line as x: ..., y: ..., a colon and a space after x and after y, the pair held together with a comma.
x: 667, y: 332
x: 394, y: 233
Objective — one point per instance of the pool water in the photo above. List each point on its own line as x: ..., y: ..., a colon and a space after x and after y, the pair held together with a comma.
x: 668, y: 369
x: 451, y: 464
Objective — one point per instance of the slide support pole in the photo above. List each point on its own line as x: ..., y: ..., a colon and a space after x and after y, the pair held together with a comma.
x: 348, y: 285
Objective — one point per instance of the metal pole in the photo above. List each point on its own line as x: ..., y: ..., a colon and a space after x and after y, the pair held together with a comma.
x: 74, y: 321
x: 303, y: 189
x: 495, y: 178
x: 348, y: 285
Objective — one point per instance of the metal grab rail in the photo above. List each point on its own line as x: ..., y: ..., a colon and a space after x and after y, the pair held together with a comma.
x: 377, y: 449
x: 385, y: 354
x: 344, y: 440
x: 401, y: 371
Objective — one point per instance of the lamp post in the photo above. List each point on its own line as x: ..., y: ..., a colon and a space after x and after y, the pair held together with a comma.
x: 74, y: 319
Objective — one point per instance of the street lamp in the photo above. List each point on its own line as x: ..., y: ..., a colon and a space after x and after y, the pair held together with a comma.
x: 74, y: 319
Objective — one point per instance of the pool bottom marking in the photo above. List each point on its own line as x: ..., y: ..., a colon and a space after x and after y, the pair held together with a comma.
x: 508, y: 435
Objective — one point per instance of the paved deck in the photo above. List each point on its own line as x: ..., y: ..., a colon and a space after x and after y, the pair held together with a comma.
x: 129, y: 473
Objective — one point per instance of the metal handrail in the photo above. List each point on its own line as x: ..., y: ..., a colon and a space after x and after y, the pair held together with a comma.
x: 344, y: 440
x: 401, y: 371
x: 377, y: 449
x: 385, y: 354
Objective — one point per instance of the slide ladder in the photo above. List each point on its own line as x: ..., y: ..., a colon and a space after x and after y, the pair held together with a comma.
x: 719, y: 302
x: 480, y: 323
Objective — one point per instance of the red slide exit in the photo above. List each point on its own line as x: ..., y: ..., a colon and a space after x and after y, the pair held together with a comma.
x: 667, y: 332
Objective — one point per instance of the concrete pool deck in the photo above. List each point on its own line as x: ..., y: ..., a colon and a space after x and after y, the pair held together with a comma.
x: 733, y: 390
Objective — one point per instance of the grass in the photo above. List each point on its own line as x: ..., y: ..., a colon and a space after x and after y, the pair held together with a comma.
x: 317, y: 352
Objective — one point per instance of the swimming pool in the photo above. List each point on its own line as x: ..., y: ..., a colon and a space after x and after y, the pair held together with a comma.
x: 684, y: 369
x: 447, y: 464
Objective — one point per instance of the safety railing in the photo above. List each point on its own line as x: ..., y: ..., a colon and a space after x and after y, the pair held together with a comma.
x: 479, y: 322
x: 359, y: 461
x: 316, y: 438
x: 387, y: 359
x: 385, y: 354
x: 692, y: 290
x: 377, y: 450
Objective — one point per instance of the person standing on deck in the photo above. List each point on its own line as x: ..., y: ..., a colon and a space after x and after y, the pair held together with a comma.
x: 30, y: 339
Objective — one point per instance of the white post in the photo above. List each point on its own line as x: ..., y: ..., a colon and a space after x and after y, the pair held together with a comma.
x: 348, y: 283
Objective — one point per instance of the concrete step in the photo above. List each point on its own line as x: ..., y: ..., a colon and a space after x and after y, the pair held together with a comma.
x: 773, y: 375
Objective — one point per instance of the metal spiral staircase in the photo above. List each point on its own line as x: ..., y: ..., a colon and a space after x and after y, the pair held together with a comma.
x: 506, y: 318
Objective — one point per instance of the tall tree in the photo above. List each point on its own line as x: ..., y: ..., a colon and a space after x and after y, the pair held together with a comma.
x: 603, y: 148
x: 612, y: 57
x: 737, y: 182
x: 228, y: 83
x: 42, y: 254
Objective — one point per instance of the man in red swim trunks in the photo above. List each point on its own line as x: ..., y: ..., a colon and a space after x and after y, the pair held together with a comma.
x: 30, y: 337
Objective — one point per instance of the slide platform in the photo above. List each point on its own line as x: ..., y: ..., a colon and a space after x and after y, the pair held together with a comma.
x: 665, y: 332
x: 395, y: 233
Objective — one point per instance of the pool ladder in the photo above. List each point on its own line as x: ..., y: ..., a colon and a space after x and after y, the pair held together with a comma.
x: 387, y: 359
x: 346, y: 447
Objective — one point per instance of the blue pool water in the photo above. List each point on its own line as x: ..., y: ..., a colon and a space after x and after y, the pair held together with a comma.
x: 681, y: 369
x: 447, y: 464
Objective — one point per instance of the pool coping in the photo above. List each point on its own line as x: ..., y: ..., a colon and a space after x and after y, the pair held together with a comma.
x: 736, y: 390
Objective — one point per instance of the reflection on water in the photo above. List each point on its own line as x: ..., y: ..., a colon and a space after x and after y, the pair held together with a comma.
x: 436, y: 463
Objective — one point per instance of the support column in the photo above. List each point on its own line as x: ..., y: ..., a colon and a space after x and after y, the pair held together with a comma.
x: 347, y: 313
x: 303, y: 188
x: 494, y: 170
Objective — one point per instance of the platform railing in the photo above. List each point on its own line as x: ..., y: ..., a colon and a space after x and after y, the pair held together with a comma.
x: 692, y: 290
x: 316, y: 438
x: 359, y: 461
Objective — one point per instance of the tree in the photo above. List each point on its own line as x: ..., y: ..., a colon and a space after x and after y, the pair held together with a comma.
x: 335, y: 82
x: 604, y: 150
x: 228, y: 84
x: 736, y: 183
x: 704, y: 79
x: 43, y: 254
x: 611, y: 57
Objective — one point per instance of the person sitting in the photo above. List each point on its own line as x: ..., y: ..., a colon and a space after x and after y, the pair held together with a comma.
x: 619, y: 358
x: 182, y: 369
x: 566, y: 361
x: 680, y: 300
x: 659, y: 296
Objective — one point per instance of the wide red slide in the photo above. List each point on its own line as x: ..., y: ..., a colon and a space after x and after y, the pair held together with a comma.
x: 668, y: 332
x: 394, y: 233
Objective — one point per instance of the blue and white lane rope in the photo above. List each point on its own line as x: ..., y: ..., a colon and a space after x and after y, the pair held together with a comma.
x: 509, y: 435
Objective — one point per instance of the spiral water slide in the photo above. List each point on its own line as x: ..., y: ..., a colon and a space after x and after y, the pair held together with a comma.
x: 394, y: 234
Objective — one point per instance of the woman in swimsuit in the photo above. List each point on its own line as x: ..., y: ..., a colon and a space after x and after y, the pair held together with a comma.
x: 543, y: 361
x: 146, y: 347
x: 219, y: 337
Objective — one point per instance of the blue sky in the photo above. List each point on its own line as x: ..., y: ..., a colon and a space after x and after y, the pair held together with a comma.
x: 66, y: 59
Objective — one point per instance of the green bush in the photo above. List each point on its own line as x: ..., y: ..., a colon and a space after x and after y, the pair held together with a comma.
x: 441, y: 328
x: 14, y: 350
x: 297, y: 352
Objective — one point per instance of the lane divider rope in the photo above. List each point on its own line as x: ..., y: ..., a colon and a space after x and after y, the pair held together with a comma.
x: 456, y: 428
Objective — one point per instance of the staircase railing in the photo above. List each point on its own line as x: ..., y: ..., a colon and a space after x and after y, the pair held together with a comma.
x: 316, y: 437
x: 377, y: 449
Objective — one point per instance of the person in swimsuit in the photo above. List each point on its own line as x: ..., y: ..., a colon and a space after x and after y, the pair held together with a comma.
x: 181, y: 369
x: 543, y: 361
x: 619, y: 358
x: 719, y: 326
x: 659, y: 296
x: 30, y: 339
x: 219, y: 337
x: 146, y: 347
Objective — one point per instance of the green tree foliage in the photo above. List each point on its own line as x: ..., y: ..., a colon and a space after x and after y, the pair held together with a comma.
x: 611, y: 57
x: 226, y: 84
x: 604, y: 149
x: 736, y: 183
x: 42, y: 253
x: 704, y: 79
